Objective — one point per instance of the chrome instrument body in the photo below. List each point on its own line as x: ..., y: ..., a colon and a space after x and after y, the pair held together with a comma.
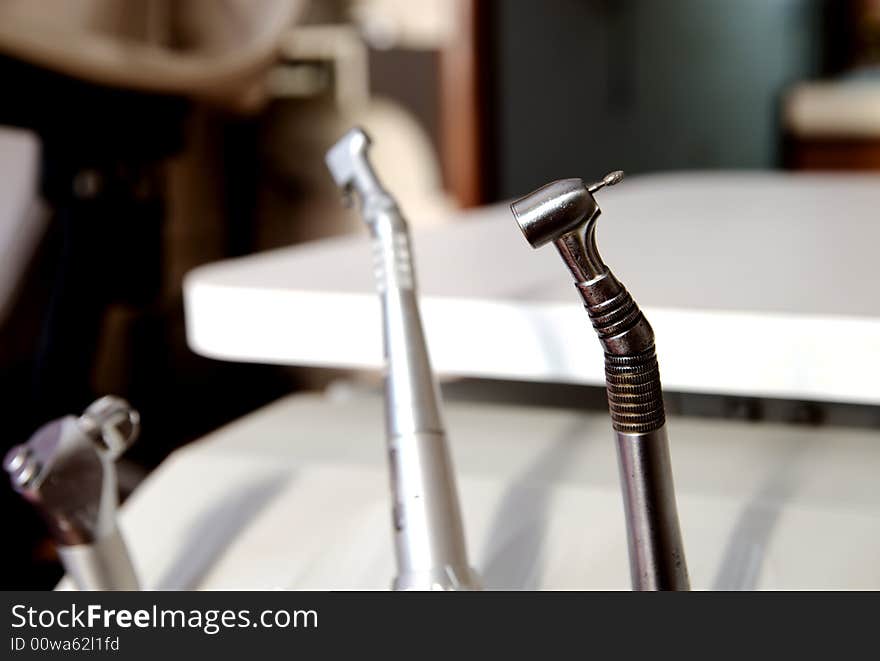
x: 428, y: 530
x: 67, y: 471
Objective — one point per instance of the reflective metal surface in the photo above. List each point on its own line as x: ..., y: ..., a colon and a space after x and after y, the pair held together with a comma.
x: 656, y: 552
x: 565, y: 212
x: 66, y: 470
x: 428, y: 530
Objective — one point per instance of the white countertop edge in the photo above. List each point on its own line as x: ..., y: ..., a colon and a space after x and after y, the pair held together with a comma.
x: 496, y: 340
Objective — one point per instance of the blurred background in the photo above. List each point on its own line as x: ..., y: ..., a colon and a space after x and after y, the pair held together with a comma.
x: 142, y: 139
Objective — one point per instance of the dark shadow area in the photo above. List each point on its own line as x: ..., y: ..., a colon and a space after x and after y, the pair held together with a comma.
x: 699, y: 405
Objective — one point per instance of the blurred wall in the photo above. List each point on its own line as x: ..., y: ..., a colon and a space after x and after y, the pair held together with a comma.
x: 585, y: 86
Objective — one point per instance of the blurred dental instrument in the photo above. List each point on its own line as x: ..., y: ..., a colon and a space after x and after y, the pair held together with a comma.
x: 67, y: 472
x: 428, y: 531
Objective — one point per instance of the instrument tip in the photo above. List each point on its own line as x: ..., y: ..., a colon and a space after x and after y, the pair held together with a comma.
x: 613, y: 178
x: 608, y: 180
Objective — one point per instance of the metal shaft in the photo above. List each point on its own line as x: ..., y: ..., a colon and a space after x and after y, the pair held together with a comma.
x: 565, y: 213
x: 656, y: 553
x: 428, y: 530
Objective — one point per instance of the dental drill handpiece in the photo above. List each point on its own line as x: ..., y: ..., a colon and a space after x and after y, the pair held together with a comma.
x: 66, y: 471
x: 565, y: 212
x: 428, y: 532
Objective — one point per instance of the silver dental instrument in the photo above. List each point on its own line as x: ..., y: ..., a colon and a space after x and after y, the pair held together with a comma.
x: 428, y: 532
x: 565, y: 212
x: 66, y: 471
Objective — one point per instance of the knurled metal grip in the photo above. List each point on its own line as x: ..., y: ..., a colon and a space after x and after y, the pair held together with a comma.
x: 635, y: 396
x: 632, y: 375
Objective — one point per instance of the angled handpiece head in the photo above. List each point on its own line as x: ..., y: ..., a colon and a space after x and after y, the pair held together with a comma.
x: 565, y: 212
x: 349, y: 164
x: 66, y: 469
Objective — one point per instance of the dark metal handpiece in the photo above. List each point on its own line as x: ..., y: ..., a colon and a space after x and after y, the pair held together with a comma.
x: 565, y: 212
